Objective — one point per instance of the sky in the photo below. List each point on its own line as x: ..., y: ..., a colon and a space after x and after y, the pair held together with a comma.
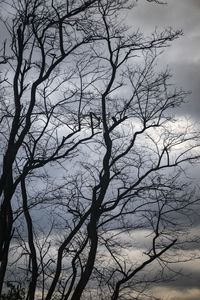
x: 183, y: 59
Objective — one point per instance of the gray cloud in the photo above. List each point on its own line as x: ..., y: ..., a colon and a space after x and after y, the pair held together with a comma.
x: 195, y: 3
x: 183, y: 57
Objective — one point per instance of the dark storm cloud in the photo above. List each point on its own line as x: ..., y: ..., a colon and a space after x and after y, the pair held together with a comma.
x: 188, y: 77
x: 195, y: 3
x: 183, y: 57
x: 189, y: 281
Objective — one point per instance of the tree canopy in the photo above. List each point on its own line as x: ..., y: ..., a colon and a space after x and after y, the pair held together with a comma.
x: 95, y: 202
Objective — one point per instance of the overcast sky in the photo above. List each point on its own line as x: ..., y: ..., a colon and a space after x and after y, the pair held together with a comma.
x: 183, y: 58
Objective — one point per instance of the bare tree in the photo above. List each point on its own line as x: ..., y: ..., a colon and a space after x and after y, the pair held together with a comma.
x: 90, y: 153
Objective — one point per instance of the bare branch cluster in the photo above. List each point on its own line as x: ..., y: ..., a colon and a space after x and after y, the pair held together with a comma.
x: 91, y: 154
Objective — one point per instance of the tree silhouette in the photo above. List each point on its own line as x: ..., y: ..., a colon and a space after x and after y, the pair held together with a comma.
x: 90, y: 152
